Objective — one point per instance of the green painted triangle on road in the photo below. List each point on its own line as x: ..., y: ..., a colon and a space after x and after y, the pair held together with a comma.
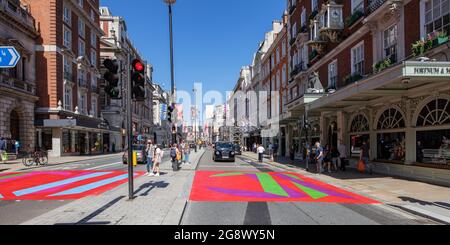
x: 270, y: 185
x: 227, y: 174
x: 312, y: 193
x: 293, y: 176
x: 11, y: 176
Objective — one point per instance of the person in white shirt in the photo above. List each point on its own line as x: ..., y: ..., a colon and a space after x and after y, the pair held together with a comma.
x: 260, y: 151
x: 158, y: 158
x: 343, y: 154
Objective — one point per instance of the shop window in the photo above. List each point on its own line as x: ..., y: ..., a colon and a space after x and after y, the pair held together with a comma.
x: 433, y: 147
x: 359, y: 124
x: 391, y: 119
x: 391, y: 146
x: 437, y: 112
x: 356, y: 141
x: 359, y: 129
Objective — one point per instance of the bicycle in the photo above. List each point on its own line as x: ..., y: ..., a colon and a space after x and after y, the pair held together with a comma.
x: 37, y: 158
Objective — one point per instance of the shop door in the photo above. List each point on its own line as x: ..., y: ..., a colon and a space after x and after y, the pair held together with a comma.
x: 82, y: 143
x: 14, y: 125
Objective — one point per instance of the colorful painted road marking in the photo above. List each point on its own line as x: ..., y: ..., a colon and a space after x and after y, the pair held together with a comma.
x: 268, y: 187
x: 59, y: 185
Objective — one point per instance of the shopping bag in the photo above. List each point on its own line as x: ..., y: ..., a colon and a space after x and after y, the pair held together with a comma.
x: 4, y: 156
x: 361, y: 166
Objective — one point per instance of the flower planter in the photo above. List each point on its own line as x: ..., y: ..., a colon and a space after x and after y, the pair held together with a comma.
x: 442, y: 40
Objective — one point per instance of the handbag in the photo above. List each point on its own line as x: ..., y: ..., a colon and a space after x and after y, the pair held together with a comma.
x: 361, y: 166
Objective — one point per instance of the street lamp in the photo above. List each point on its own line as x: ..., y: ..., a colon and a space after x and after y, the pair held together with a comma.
x: 195, y: 117
x: 170, y: 3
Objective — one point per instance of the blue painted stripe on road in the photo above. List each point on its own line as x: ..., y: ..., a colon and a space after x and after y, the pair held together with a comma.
x: 1, y: 196
x: 59, y: 183
x: 88, y: 187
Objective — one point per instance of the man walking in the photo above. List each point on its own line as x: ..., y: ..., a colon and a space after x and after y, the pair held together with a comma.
x: 319, y: 157
x: 343, y: 155
x: 365, y: 157
x: 150, y: 150
x: 261, y: 151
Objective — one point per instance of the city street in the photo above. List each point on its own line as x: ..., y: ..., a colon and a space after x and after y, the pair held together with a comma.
x: 261, y: 212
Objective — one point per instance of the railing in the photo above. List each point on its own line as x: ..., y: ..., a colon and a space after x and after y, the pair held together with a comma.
x: 18, y: 12
x: 82, y: 83
x: 17, y: 84
x: 374, y: 5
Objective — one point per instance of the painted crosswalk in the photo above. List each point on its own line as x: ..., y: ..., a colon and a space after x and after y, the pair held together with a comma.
x: 59, y: 185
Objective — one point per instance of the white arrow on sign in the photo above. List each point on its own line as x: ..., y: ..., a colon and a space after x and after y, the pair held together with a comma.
x: 14, y: 57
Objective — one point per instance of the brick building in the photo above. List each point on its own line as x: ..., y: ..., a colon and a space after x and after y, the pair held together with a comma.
x: 18, y: 85
x: 376, y: 71
x: 68, y: 118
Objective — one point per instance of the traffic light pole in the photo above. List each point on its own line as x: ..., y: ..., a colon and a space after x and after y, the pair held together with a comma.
x: 130, y: 133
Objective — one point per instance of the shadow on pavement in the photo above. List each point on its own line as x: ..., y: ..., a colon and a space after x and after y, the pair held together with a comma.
x: 148, y: 187
x: 425, y: 203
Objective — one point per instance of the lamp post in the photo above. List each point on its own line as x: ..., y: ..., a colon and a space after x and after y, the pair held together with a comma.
x: 170, y: 3
x: 195, y: 117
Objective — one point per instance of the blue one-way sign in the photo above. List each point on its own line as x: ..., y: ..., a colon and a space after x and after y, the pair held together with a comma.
x: 9, y: 57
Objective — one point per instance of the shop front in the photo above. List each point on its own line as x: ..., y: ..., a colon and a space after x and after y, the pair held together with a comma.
x: 74, y: 137
x: 402, y: 114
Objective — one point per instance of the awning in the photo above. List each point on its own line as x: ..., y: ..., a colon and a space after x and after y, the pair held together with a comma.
x: 406, y: 79
x: 79, y: 124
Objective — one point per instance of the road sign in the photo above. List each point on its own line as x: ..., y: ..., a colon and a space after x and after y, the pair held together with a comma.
x: 9, y: 57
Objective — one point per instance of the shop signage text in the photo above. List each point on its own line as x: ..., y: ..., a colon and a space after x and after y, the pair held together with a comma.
x: 426, y: 69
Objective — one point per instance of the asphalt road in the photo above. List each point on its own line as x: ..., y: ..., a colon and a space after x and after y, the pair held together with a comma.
x: 17, y: 212
x: 286, y: 213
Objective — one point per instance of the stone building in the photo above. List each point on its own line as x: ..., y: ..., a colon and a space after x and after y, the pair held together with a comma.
x: 18, y: 85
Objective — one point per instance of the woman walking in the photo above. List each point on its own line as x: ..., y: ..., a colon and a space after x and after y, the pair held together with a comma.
x: 327, y: 158
x: 158, y: 159
x: 150, y: 150
x: 187, y: 151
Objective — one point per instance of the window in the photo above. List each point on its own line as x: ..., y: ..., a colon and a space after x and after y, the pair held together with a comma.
x: 357, y: 5
x: 284, y: 76
x: 437, y: 112
x: 283, y: 48
x: 278, y: 56
x: 358, y: 59
x: 303, y: 17
x: 93, y: 40
x: 390, y: 43
x: 332, y: 75
x: 81, y: 48
x: 437, y: 16
x: 360, y: 124
x: 94, y: 58
x: 294, y: 30
x: 67, y: 69
x: 68, y: 98
x: 81, y: 28
x: 80, y: 3
x: 272, y: 61
x: 67, y: 38
x: 314, y: 5
x: 67, y: 16
x: 82, y: 103
x: 391, y: 119
x: 92, y: 15
x: 94, y: 106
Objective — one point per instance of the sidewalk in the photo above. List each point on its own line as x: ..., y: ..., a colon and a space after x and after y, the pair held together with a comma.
x: 16, y: 165
x: 159, y: 201
x: 430, y: 201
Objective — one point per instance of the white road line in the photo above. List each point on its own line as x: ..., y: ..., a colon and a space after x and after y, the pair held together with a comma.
x: 103, y: 166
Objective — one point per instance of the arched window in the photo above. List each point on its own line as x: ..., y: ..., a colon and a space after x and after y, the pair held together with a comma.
x: 437, y: 112
x: 391, y: 119
x: 359, y: 124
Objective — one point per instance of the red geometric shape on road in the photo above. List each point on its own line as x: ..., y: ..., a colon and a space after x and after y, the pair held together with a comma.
x: 12, y: 183
x: 246, y: 187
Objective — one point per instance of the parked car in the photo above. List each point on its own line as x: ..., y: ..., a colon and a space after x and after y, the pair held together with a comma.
x: 224, y: 151
x: 140, y: 150
x: 237, y: 149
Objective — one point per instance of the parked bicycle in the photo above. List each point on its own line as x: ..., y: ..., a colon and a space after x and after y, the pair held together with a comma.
x: 36, y: 158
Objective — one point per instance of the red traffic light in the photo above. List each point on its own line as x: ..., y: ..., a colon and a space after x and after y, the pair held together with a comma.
x: 138, y: 65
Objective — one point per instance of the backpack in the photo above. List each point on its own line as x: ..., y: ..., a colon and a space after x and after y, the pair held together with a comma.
x: 173, y: 152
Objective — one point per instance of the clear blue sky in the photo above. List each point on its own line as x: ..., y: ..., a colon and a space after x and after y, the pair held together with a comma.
x: 213, y: 38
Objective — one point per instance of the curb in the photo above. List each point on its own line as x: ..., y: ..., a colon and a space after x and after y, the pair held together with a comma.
x: 59, y: 164
x: 425, y: 214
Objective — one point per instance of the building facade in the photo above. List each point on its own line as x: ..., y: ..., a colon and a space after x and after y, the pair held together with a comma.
x: 161, y: 127
x: 68, y: 118
x: 18, y: 85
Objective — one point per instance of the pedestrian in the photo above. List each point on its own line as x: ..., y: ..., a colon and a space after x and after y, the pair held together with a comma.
x: 307, y: 155
x: 150, y: 153
x: 319, y: 157
x: 419, y: 152
x: 17, y: 146
x: 187, y: 151
x: 261, y: 151
x: 271, y: 152
x: 342, y: 155
x: 335, y: 154
x: 173, y: 156
x: 327, y: 158
x: 292, y: 153
x: 254, y: 147
x: 365, y: 157
x: 2, y: 149
x: 157, y: 162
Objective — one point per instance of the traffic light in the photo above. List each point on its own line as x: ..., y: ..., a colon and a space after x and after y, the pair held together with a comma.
x: 169, y: 113
x: 138, y: 80
x: 111, y: 76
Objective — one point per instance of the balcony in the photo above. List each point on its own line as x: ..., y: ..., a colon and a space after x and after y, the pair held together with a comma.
x: 17, y: 84
x: 317, y: 42
x: 18, y: 12
x: 82, y: 83
x: 292, y: 8
x: 374, y: 5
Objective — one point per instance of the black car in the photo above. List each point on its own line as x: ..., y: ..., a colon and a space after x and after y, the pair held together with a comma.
x: 224, y: 151
x: 237, y: 149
